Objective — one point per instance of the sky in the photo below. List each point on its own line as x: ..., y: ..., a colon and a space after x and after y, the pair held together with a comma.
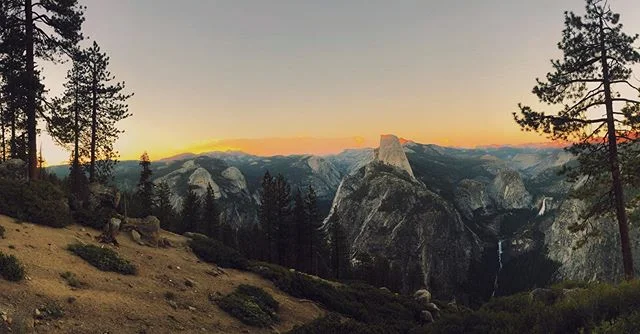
x: 305, y: 76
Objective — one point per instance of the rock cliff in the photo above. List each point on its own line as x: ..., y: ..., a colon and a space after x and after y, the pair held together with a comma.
x: 387, y: 213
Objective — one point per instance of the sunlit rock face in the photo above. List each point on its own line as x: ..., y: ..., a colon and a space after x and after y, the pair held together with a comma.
x: 229, y: 186
x: 599, y: 259
x: 471, y: 196
x: 508, y: 191
x: 387, y: 213
x: 392, y: 153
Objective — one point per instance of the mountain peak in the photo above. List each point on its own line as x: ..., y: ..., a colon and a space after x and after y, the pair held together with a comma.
x: 391, y: 153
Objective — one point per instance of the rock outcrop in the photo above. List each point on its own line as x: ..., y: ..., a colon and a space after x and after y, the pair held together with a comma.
x: 471, y: 196
x: 600, y: 258
x: 508, y: 191
x: 392, y: 153
x: 388, y: 213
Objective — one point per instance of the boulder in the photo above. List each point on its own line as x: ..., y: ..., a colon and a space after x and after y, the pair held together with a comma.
x: 102, y: 196
x: 431, y: 307
x: 426, y: 317
x: 135, y: 235
x: 15, y: 169
x: 423, y: 296
x: 148, y: 228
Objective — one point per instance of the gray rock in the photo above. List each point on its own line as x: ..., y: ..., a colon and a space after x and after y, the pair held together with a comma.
x: 387, y: 213
x: 433, y: 308
x: 508, y: 192
x: 426, y: 317
x: 423, y: 296
x: 148, y: 228
x: 135, y: 235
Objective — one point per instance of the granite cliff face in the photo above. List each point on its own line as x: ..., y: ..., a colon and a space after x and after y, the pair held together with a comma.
x: 599, y: 259
x: 386, y: 212
x: 228, y: 184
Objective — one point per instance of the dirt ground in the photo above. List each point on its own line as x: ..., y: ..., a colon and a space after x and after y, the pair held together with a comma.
x: 114, y: 303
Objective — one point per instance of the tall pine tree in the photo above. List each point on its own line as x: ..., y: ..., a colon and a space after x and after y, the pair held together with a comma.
x: 267, y: 215
x: 49, y: 28
x: 190, y: 213
x: 210, y: 221
x: 108, y: 106
x: 589, y: 80
x: 163, y: 209
x: 145, y: 189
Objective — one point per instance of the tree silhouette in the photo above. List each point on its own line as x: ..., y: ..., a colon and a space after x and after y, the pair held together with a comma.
x: 163, y: 209
x: 145, y: 186
x: 210, y: 216
x: 588, y: 82
x: 108, y: 106
x: 49, y: 28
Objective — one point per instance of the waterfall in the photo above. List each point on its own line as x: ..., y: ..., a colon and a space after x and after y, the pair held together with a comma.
x: 544, y: 206
x: 495, y: 282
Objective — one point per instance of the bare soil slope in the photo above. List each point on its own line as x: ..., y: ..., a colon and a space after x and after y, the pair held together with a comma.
x: 114, y: 303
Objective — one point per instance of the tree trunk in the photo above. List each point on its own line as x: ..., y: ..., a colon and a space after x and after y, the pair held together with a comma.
x: 13, y: 147
x: 3, y: 134
x: 31, y: 94
x: 618, y: 191
x: 94, y: 125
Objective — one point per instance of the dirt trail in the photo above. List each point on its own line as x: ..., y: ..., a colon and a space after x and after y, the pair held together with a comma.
x: 114, y: 303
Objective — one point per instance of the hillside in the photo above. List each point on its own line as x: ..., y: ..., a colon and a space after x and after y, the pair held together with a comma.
x: 114, y: 303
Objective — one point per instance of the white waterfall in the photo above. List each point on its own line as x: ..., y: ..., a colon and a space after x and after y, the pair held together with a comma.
x: 495, y: 282
x: 544, y: 206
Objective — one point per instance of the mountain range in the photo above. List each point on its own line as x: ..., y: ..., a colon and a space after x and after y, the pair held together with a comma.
x: 465, y: 223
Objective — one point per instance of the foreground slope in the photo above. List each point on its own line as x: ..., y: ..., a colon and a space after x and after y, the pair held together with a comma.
x: 113, y: 303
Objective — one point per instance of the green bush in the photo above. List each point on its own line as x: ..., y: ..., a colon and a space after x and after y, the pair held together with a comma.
x: 333, y: 324
x: 104, y: 259
x: 39, y: 202
x: 361, y: 302
x: 251, y: 305
x: 10, y: 268
x: 213, y: 251
x: 598, y: 306
x: 72, y: 280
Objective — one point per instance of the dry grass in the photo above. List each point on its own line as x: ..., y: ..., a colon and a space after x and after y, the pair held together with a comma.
x: 114, y: 303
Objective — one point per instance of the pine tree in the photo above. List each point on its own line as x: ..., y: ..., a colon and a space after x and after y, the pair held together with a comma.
x: 282, y: 193
x: 49, y: 28
x: 596, y: 68
x: 190, y: 212
x: 69, y: 122
x: 108, y: 106
x: 314, y: 236
x: 145, y: 186
x: 163, y: 209
x: 301, y: 225
x: 210, y: 215
x: 267, y: 215
x: 340, y: 253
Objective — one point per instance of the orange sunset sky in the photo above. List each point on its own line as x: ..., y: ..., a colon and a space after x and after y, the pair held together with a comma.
x: 280, y: 77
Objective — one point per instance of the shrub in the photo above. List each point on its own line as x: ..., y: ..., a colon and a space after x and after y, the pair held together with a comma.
x: 50, y: 310
x: 39, y: 202
x: 72, y: 280
x: 332, y: 323
x: 104, y: 259
x: 213, y: 251
x: 581, y: 310
x: 2, y: 230
x: 251, y: 305
x: 10, y: 268
x: 361, y: 302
